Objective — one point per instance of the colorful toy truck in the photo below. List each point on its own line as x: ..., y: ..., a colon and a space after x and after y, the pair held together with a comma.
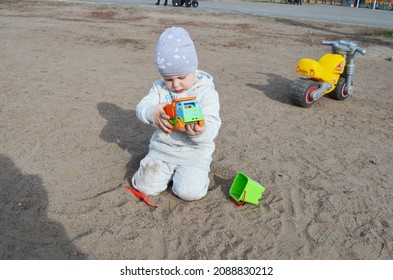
x: 184, y: 110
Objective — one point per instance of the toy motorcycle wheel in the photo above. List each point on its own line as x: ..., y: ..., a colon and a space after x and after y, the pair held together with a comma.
x: 176, y: 3
x: 340, y: 92
x: 195, y: 4
x: 300, y: 93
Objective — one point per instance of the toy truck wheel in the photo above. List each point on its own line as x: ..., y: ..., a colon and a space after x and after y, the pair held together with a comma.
x: 188, y: 3
x: 176, y: 3
x: 195, y: 3
x: 340, y: 92
x: 180, y: 125
x: 300, y: 92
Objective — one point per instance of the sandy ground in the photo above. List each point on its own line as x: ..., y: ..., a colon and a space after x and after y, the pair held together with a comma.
x: 70, y: 78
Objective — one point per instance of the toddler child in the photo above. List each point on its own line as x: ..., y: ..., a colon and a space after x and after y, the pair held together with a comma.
x: 183, y: 157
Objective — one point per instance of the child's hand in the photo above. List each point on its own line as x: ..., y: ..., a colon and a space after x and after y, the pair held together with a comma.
x: 161, y: 119
x: 194, y: 129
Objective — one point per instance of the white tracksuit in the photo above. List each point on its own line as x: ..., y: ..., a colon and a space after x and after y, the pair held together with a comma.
x: 179, y: 157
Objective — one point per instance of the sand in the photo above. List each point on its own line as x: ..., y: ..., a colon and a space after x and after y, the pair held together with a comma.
x: 70, y: 78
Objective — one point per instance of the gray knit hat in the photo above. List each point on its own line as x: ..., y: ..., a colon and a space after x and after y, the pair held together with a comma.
x: 175, y: 53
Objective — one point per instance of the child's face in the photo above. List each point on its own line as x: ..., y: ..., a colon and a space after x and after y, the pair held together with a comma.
x: 180, y: 83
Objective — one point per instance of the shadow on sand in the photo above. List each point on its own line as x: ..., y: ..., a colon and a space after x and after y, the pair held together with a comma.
x: 277, y: 88
x: 26, y: 231
x: 124, y: 129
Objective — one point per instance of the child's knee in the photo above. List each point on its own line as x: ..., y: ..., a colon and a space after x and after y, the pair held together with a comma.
x: 190, y: 192
x: 190, y: 196
x: 150, y: 179
x: 152, y: 187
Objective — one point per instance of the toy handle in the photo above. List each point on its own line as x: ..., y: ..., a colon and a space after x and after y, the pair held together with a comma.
x: 240, y: 203
x: 349, y: 46
x: 361, y: 50
x: 339, y: 43
x: 324, y: 42
x: 342, y: 45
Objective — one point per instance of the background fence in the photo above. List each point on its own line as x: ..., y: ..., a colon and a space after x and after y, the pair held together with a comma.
x: 379, y: 4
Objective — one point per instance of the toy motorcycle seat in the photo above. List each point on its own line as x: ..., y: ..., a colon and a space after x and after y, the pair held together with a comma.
x: 325, y: 69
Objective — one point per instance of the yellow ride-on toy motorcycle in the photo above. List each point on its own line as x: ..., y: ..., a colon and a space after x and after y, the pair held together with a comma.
x: 332, y: 74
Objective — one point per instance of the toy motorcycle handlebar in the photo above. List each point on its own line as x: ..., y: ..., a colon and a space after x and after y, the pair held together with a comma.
x: 345, y: 46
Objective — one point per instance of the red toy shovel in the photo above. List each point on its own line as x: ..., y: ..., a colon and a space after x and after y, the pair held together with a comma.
x: 141, y: 196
